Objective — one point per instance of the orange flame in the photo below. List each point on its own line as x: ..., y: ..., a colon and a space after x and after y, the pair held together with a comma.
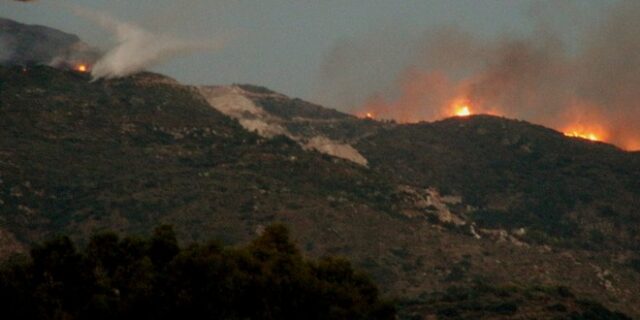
x: 573, y: 122
x: 592, y: 133
x: 460, y: 108
x: 462, y: 111
x: 82, y: 68
x: 584, y: 135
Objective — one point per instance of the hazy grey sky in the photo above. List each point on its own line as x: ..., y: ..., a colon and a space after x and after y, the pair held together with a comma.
x: 283, y: 44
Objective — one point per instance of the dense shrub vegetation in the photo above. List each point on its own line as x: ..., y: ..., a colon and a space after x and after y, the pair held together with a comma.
x: 568, y: 192
x: 134, y: 278
x: 483, y: 301
x: 127, y: 151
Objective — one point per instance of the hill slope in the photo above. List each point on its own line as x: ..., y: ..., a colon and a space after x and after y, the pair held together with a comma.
x: 128, y: 153
x: 511, y: 174
x: 501, y: 185
x: 422, y: 207
x: 566, y: 191
x: 78, y: 156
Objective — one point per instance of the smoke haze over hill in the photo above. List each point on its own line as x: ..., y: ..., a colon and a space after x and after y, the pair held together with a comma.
x: 588, y: 86
x: 574, y: 79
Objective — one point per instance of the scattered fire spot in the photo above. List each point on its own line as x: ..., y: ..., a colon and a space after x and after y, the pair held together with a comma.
x: 462, y: 110
x: 82, y: 68
x: 369, y: 115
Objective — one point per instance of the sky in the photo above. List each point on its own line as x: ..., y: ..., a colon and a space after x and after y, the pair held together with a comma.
x: 286, y: 45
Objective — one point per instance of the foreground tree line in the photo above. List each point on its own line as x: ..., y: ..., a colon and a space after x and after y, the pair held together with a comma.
x: 154, y: 278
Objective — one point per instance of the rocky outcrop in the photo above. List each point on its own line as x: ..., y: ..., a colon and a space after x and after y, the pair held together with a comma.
x: 234, y: 101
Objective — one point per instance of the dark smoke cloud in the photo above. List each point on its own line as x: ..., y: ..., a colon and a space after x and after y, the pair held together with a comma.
x: 351, y: 70
x: 593, y: 84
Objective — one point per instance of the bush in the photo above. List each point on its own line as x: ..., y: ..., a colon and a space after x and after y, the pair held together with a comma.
x: 113, y: 278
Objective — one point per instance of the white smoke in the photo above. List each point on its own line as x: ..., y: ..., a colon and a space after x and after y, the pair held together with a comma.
x: 137, y: 49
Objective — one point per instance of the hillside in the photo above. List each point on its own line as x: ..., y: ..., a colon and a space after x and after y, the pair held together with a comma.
x: 514, y: 174
x: 511, y: 175
x: 563, y: 191
x: 486, y: 302
x: 128, y: 154
x: 492, y: 181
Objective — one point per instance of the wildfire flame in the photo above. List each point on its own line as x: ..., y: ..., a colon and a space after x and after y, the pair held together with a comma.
x: 591, y: 132
x: 463, y: 111
x: 461, y: 108
x: 571, y: 124
x: 583, y: 135
x: 82, y: 68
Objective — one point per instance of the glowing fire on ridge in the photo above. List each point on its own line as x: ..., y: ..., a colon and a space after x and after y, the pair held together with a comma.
x: 461, y: 108
x: 571, y: 124
x: 593, y: 133
x: 584, y: 135
x: 463, y: 111
x: 82, y: 68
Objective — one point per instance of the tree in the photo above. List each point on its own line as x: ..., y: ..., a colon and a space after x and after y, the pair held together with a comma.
x: 135, y: 278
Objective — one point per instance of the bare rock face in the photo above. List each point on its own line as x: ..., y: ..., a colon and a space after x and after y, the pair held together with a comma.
x: 336, y: 149
x: 239, y: 103
x: 441, y: 203
x: 430, y: 203
x: 232, y: 101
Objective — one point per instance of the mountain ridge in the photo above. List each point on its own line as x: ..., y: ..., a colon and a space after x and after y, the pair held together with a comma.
x: 23, y: 45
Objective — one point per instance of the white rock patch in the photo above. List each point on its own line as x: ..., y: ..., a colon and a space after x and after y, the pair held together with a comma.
x: 232, y: 101
x: 336, y: 149
x: 263, y: 128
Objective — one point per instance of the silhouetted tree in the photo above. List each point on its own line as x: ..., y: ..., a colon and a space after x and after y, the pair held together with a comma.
x: 132, y: 278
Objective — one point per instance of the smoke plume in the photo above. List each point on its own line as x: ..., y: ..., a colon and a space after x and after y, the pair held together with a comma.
x: 137, y: 49
x: 594, y: 86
